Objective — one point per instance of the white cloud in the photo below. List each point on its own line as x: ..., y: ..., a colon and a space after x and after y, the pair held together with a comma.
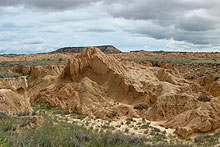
x: 45, y: 25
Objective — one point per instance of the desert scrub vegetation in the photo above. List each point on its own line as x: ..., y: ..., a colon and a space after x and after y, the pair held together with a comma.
x: 57, y: 61
x: 9, y: 124
x: 192, y: 69
x: 179, y: 60
x: 63, y: 134
x: 61, y: 59
x: 4, y: 74
x: 38, y: 107
x: 207, y: 140
x: 64, y: 128
x: 55, y: 132
x: 159, y: 59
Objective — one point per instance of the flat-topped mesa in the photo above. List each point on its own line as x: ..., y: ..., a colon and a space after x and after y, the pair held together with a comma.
x: 13, y: 96
x: 103, y: 48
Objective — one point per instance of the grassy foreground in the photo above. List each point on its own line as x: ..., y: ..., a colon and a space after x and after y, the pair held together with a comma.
x: 65, y: 134
x: 54, y: 133
x: 57, y: 131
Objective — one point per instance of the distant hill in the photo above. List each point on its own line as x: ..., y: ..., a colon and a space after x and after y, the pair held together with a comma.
x: 103, y: 48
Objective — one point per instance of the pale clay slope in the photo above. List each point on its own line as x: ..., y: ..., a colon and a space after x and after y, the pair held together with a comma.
x: 38, y: 77
x: 13, y: 96
x: 41, y: 77
x: 96, y: 84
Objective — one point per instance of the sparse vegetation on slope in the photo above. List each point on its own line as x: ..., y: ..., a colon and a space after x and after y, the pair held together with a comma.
x: 179, y: 60
x: 59, y: 61
x: 59, y: 133
x: 190, y: 67
x: 4, y: 74
x: 62, y: 128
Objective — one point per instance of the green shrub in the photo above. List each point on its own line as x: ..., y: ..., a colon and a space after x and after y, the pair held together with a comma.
x: 159, y: 137
x: 41, y: 107
x: 25, y: 113
x: 126, y: 130
x: 144, y: 127
x: 61, y: 112
x: 205, y: 139
x: 60, y: 59
x: 3, y: 115
x: 3, y: 142
x: 146, y: 131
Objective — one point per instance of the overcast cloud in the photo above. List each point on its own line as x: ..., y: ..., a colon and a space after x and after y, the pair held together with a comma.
x: 31, y: 26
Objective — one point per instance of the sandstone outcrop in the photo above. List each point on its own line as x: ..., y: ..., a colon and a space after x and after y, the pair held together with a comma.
x: 211, y: 85
x: 13, y: 96
x: 96, y: 84
x: 42, y: 76
x: 25, y: 70
x: 215, y: 88
x: 203, y: 118
x: 38, y: 77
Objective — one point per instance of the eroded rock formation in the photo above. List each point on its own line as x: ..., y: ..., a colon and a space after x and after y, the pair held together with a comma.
x: 13, y: 96
x: 96, y: 84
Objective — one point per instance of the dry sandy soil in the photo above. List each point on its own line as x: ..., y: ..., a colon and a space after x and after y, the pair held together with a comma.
x: 179, y: 93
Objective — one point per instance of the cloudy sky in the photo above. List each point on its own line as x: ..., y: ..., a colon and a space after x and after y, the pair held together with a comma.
x: 32, y: 26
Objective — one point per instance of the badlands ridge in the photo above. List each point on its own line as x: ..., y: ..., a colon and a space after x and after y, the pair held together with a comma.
x: 102, y: 85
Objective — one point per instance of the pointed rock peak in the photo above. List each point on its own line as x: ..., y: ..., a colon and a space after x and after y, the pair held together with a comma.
x: 90, y: 52
x: 97, y: 59
x: 92, y: 62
